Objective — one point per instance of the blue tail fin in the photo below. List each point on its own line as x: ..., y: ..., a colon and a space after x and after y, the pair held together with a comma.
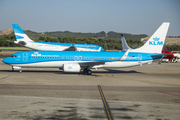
x: 19, y: 33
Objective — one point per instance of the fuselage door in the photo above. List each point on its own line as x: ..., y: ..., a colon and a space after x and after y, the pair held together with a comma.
x: 25, y: 57
x: 139, y: 58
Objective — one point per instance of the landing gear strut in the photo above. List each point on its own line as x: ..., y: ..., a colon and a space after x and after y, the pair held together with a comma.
x: 87, y: 71
x: 160, y: 60
x: 12, y: 69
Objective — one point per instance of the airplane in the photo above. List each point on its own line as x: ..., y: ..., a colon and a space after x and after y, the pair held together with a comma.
x: 125, y: 47
x: 169, y: 57
x: 24, y: 40
x: 75, y: 61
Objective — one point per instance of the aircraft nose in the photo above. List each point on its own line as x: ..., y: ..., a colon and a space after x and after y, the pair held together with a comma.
x: 6, y: 60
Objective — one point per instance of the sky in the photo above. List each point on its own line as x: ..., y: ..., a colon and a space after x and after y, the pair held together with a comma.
x: 123, y: 16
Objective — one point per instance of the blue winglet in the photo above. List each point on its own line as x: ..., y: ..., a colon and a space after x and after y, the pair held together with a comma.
x: 17, y: 29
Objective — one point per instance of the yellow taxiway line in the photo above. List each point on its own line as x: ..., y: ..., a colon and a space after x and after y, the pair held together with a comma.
x: 105, y: 104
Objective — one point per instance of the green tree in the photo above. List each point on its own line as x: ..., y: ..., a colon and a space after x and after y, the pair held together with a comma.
x: 66, y: 40
x: 55, y: 40
x: 48, y: 39
x: 43, y: 38
x: 60, y: 39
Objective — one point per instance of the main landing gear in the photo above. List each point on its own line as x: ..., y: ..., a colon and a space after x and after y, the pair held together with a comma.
x: 14, y: 67
x: 87, y: 71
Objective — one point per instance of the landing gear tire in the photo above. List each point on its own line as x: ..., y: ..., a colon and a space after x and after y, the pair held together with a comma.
x: 89, y: 72
x: 85, y: 70
x: 20, y: 71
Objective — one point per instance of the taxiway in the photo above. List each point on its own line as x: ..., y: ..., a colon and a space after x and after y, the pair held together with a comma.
x: 145, y: 92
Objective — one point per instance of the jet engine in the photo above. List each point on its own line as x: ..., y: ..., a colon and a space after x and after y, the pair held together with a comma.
x: 22, y: 43
x: 71, y: 67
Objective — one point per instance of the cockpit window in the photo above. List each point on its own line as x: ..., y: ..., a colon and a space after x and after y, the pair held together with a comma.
x: 13, y: 56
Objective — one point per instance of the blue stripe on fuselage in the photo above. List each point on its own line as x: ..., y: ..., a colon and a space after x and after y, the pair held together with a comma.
x: 27, y: 57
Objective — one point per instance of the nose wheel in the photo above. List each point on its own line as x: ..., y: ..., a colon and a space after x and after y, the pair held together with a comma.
x: 86, y: 71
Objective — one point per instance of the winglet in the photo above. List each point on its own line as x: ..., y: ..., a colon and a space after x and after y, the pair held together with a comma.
x: 124, y: 56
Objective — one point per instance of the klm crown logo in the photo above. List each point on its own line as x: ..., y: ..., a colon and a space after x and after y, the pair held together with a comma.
x: 69, y: 67
x: 36, y: 54
x: 156, y: 41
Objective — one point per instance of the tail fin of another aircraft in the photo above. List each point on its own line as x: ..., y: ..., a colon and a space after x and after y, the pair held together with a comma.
x: 156, y: 41
x: 124, y: 43
x: 19, y: 33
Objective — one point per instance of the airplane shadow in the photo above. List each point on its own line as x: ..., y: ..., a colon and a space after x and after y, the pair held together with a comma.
x: 61, y: 72
x: 31, y: 71
x: 116, y: 71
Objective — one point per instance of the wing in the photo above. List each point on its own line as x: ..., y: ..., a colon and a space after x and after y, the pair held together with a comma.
x: 92, y: 63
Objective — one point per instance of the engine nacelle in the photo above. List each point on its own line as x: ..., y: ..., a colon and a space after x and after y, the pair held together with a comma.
x: 71, y: 67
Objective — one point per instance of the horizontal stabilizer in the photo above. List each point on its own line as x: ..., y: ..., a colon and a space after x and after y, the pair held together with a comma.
x: 10, y: 41
x: 161, y: 55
